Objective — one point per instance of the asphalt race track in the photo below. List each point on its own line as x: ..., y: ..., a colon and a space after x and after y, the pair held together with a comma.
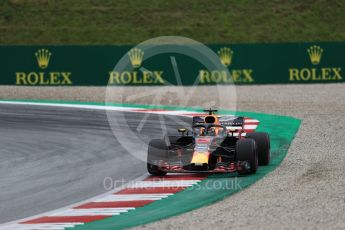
x: 52, y: 157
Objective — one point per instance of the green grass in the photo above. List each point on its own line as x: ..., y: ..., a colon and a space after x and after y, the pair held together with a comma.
x: 208, y: 21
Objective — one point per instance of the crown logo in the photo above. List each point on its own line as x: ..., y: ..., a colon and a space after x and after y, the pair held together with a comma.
x: 225, y: 55
x: 315, y: 54
x: 136, y: 56
x: 43, y: 56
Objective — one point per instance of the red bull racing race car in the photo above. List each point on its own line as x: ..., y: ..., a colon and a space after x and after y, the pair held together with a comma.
x: 213, y: 144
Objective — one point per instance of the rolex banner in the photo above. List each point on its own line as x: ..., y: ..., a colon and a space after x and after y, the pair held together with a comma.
x: 136, y: 66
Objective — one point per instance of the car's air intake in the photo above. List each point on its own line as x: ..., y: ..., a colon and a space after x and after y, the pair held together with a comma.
x: 210, y: 119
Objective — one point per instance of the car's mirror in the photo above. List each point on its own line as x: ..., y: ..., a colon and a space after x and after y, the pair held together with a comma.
x: 232, y: 130
x: 183, y: 131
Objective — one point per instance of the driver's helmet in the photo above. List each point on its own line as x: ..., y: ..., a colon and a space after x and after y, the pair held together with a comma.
x: 216, y: 131
x: 212, y: 131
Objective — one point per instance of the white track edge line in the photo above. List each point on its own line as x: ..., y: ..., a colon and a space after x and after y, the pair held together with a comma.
x: 50, y: 213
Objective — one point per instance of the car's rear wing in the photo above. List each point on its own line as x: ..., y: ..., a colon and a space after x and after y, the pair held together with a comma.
x: 223, y: 120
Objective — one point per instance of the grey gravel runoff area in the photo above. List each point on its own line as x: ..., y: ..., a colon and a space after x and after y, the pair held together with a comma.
x: 307, y: 191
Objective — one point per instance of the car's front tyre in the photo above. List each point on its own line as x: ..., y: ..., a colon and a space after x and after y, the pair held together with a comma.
x: 157, y: 151
x: 262, y: 141
x: 246, y: 151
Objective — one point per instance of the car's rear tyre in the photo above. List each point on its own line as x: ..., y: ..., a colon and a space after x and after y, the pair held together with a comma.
x: 157, y: 151
x: 262, y: 141
x: 246, y: 151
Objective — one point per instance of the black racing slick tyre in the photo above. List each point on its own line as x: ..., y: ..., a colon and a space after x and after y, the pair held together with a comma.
x: 262, y: 141
x: 246, y: 151
x: 157, y: 151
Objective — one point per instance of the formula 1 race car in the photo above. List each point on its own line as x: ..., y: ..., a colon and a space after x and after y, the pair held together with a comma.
x: 214, y: 144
